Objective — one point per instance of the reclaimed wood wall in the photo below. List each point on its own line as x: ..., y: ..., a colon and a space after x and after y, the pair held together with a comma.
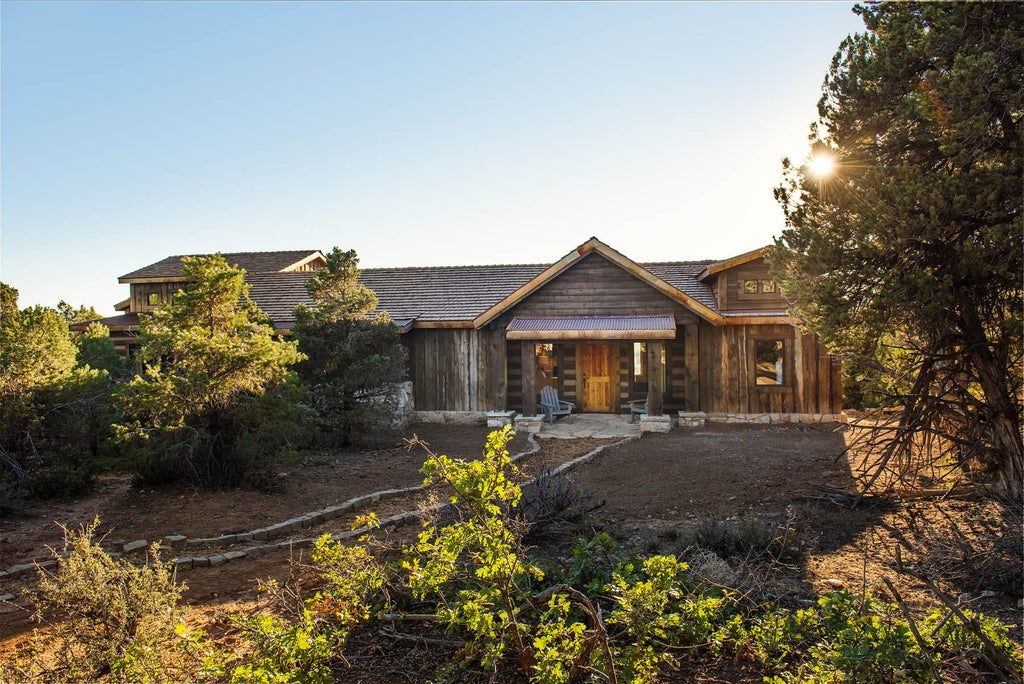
x: 140, y: 295
x: 812, y: 381
x: 457, y: 369
x: 708, y: 368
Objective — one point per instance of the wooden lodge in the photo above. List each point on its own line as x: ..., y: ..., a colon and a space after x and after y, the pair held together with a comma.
x: 711, y: 336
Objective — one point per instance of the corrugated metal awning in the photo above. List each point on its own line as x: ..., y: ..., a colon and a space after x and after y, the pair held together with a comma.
x: 656, y: 327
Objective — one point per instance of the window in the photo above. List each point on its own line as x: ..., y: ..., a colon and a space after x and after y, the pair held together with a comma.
x: 769, y: 362
x: 640, y: 364
x: 547, y: 366
x: 153, y: 299
x: 751, y: 287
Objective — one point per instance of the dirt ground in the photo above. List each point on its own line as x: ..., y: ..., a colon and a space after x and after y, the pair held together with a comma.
x: 647, y: 492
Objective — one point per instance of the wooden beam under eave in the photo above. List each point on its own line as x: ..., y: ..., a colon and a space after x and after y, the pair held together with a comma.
x: 161, y: 279
x: 782, y: 319
x: 443, y: 325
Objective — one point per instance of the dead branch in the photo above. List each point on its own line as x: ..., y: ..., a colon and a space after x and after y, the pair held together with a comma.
x: 913, y: 628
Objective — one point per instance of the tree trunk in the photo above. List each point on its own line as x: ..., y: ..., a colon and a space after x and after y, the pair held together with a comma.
x: 1002, y: 412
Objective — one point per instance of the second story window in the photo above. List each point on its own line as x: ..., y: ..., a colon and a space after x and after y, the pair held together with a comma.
x: 153, y: 299
x: 751, y: 287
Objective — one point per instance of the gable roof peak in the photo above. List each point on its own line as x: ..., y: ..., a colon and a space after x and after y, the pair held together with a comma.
x: 625, y: 263
x: 726, y: 264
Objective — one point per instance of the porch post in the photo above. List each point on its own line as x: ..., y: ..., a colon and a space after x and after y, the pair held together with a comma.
x: 529, y: 377
x: 654, y: 373
x: 499, y: 371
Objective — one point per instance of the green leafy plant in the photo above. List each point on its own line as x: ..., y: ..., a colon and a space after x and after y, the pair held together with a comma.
x: 216, y: 402
x: 475, y: 565
x: 307, y: 646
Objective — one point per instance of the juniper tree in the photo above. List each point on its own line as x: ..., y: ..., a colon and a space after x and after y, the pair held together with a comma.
x: 354, y: 358
x: 215, y: 401
x: 908, y: 256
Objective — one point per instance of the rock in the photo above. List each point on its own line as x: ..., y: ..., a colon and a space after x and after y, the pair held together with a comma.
x: 135, y: 545
x: 175, y: 541
x: 834, y: 584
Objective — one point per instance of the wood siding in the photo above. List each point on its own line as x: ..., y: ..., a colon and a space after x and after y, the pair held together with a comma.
x: 140, y: 295
x: 455, y: 370
x: 811, y: 377
x: 708, y: 368
x: 595, y: 286
x: 730, y: 297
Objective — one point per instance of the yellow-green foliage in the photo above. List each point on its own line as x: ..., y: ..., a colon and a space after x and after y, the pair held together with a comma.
x: 309, y: 647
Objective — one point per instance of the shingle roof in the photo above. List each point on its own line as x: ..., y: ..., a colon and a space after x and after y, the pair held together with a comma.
x: 446, y: 293
x: 277, y: 295
x: 429, y: 293
x: 683, y: 276
x: 252, y: 262
x: 442, y: 293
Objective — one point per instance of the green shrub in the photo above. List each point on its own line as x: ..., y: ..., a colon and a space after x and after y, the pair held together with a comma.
x: 109, y: 617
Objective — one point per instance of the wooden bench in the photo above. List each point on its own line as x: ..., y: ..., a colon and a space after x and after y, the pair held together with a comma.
x: 552, y: 406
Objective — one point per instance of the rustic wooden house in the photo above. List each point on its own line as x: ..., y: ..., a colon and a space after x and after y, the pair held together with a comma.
x: 712, y: 336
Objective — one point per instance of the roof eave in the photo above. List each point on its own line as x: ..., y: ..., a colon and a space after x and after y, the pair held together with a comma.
x: 152, y: 279
x: 313, y: 256
x: 735, y: 261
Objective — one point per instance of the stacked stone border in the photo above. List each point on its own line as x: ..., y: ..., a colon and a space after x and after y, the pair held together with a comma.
x: 179, y: 542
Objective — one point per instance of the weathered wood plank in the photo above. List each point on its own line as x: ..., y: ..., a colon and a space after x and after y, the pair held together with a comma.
x: 529, y: 372
x: 654, y: 375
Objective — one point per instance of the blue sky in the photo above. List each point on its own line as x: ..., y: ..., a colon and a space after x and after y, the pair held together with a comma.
x: 414, y: 133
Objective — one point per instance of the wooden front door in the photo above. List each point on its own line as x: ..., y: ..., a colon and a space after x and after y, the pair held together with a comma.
x: 599, y: 378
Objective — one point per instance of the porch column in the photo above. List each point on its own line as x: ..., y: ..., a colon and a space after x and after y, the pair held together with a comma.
x: 654, y: 373
x: 499, y: 371
x: 529, y: 357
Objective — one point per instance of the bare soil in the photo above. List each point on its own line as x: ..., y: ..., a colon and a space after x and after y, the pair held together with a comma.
x: 650, y: 493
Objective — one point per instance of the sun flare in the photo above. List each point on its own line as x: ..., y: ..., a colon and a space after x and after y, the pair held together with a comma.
x: 821, y: 165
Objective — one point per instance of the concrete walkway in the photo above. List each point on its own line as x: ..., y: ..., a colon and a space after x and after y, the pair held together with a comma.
x: 600, y: 425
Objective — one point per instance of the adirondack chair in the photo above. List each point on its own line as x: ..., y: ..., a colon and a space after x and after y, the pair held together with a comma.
x: 553, y: 406
x: 637, y: 407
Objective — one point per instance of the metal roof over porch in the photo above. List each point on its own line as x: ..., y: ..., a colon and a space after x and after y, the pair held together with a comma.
x: 649, y: 327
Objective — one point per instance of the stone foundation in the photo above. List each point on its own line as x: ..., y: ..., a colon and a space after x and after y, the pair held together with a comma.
x: 497, y: 419
x: 655, y: 423
x: 448, y: 417
x: 773, y: 418
x: 529, y: 424
x: 692, y: 419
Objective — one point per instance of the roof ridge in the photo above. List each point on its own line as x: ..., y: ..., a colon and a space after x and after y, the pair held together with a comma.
x: 693, y: 262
